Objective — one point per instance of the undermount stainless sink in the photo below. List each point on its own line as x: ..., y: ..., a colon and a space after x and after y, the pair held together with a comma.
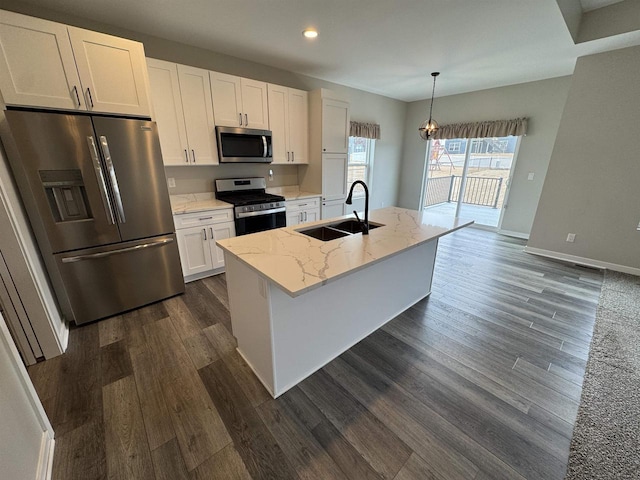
x: 352, y: 226
x: 324, y: 233
x: 332, y: 231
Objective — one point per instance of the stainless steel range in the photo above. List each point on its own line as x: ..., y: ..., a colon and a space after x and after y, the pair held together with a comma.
x: 254, y: 209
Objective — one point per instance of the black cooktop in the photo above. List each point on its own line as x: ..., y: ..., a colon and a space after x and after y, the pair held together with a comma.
x: 248, y: 198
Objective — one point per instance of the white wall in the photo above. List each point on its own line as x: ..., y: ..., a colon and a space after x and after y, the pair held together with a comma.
x: 593, y: 185
x: 541, y: 101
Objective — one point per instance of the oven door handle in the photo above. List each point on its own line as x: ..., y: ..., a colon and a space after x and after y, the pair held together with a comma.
x: 261, y: 212
x: 264, y: 146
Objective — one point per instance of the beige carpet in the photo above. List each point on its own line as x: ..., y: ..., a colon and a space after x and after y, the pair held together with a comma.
x: 606, y: 437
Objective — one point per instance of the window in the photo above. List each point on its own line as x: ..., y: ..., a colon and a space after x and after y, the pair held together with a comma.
x: 360, y: 161
x: 453, y: 146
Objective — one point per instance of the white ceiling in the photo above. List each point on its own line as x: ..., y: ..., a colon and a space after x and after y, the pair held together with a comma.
x: 381, y: 46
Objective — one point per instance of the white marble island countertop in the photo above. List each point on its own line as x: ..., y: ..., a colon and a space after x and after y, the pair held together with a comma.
x: 298, y: 263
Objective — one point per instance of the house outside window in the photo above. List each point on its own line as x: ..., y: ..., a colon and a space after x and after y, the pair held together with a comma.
x: 360, y: 162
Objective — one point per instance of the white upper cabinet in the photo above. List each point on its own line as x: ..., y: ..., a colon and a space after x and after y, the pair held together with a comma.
x: 181, y: 98
x: 168, y: 113
x: 289, y: 122
x: 198, y: 115
x: 37, y: 67
x: 112, y: 71
x: 50, y: 65
x: 299, y: 125
x: 239, y: 102
x: 335, y: 126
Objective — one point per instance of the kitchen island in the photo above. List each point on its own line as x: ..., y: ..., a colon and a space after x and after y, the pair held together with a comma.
x: 297, y: 302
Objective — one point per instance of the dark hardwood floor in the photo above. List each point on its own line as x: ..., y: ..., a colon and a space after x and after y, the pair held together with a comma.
x: 482, y: 380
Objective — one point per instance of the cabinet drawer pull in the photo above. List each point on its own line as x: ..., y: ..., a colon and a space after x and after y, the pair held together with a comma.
x: 205, y: 218
x: 303, y: 204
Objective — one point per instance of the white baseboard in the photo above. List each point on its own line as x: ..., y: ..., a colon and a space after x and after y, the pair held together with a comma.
x: 45, y: 462
x: 511, y: 233
x: 587, y: 262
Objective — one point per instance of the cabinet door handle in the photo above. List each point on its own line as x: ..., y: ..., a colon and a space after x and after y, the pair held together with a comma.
x: 75, y: 90
x: 240, y: 115
x: 246, y: 120
x: 293, y: 156
x: 211, y: 232
x: 194, y: 155
x: 305, y: 216
x: 186, y: 156
x: 204, y: 230
x: 301, y: 218
x: 90, y: 97
x: 287, y: 156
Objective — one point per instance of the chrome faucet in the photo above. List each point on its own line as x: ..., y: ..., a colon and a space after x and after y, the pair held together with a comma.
x: 363, y: 225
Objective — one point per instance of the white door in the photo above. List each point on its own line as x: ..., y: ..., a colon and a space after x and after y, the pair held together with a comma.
x: 112, y: 71
x: 333, y: 209
x: 279, y: 121
x: 37, y: 67
x: 227, y: 99
x: 195, y: 252
x: 293, y: 218
x: 220, y: 231
x: 298, y: 125
x: 26, y: 436
x: 167, y: 107
x: 254, y: 104
x: 198, y: 115
x: 311, y: 215
x: 335, y: 126
x: 334, y: 177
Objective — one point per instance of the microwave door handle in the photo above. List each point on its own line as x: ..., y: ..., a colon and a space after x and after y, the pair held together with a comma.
x: 102, y: 186
x: 264, y: 146
x: 104, y: 145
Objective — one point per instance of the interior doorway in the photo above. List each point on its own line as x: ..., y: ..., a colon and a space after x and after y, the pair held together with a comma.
x: 470, y: 177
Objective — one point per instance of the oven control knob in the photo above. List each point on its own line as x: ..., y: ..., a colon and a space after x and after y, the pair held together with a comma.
x: 272, y: 205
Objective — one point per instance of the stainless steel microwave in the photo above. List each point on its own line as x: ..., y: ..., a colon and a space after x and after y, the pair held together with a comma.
x: 244, y: 145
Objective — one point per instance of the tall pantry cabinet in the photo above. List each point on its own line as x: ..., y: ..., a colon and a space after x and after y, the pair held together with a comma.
x: 329, y: 117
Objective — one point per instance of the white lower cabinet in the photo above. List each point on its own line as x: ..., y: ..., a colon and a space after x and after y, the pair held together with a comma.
x: 197, y: 234
x: 303, y: 211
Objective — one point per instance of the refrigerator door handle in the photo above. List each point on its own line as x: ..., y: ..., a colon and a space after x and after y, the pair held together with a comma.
x: 92, y: 256
x: 104, y: 145
x: 97, y: 166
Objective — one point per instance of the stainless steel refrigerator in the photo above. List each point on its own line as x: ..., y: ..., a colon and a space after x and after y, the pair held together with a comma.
x: 95, y: 192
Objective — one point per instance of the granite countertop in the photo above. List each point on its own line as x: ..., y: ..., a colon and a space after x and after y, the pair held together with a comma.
x: 298, y: 263
x: 196, y: 202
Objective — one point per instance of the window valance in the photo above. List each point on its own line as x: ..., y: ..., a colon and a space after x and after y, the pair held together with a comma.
x: 493, y: 128
x: 364, y: 130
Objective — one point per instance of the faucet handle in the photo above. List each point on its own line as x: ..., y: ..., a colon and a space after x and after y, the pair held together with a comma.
x: 357, y: 217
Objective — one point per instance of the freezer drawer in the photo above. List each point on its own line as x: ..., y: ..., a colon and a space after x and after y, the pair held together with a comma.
x: 101, y: 282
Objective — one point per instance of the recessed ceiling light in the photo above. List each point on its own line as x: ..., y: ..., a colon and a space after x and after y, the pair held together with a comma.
x: 310, y: 33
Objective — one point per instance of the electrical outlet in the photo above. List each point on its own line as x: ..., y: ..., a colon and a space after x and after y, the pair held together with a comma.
x: 270, y: 175
x: 571, y: 237
x: 530, y: 176
x: 171, y: 182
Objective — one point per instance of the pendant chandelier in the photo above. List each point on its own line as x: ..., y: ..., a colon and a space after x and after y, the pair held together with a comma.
x: 429, y: 127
